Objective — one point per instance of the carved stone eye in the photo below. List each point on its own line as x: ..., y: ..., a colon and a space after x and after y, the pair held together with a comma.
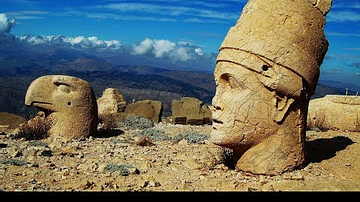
x: 229, y: 81
x: 64, y: 88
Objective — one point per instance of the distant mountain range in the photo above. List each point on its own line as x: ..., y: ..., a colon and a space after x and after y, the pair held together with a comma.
x: 19, y: 67
x: 134, y: 82
x: 342, y: 86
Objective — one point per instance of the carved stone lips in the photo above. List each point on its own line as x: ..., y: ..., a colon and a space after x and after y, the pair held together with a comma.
x: 217, y: 123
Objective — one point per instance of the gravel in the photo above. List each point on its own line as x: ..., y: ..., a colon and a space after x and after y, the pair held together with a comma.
x: 180, y: 159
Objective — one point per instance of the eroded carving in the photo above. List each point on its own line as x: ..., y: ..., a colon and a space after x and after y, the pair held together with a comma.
x: 68, y: 102
x: 335, y: 112
x: 266, y: 71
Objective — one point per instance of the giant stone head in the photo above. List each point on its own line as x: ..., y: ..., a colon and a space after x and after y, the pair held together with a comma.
x: 266, y: 71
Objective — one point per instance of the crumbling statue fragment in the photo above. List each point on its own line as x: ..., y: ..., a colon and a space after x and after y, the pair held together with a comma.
x: 190, y: 111
x: 335, y: 112
x: 68, y: 102
x: 149, y: 109
x: 111, y: 102
x: 266, y: 71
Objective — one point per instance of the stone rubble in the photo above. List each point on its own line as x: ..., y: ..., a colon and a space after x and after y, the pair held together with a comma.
x: 118, y: 164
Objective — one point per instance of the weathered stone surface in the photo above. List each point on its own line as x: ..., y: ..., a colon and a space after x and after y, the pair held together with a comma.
x: 111, y: 102
x: 68, y: 102
x: 149, y: 109
x: 334, y: 164
x: 266, y: 71
x: 335, y: 112
x: 190, y: 111
x: 9, y: 121
x: 110, y: 121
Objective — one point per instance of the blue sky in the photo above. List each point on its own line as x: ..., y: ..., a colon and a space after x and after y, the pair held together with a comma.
x: 200, y: 22
x: 176, y: 26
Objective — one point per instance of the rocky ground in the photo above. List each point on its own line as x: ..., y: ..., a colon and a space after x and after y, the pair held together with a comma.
x: 173, y: 158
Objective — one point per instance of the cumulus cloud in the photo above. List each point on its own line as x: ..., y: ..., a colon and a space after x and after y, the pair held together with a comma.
x: 158, y: 48
x: 144, y: 47
x: 6, y: 23
x: 79, y: 42
x: 154, y: 52
x: 174, y: 51
x: 162, y: 47
x: 199, y: 51
x: 180, y: 54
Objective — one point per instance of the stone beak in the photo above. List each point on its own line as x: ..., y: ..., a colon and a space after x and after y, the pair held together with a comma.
x: 37, y: 96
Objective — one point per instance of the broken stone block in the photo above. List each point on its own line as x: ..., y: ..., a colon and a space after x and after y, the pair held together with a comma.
x: 335, y: 112
x: 149, y: 109
x: 190, y: 111
x: 111, y: 102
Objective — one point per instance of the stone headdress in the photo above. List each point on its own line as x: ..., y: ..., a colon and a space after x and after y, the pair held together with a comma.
x: 288, y: 32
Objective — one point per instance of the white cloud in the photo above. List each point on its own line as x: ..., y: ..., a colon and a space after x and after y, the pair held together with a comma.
x: 158, y: 48
x: 340, y: 34
x: 34, y: 39
x: 353, y: 5
x: 161, y: 52
x: 81, y: 42
x: 6, y: 23
x: 75, y: 40
x: 113, y: 44
x: 175, y: 52
x: 143, y: 47
x: 28, y: 14
x: 199, y: 51
x: 165, y: 12
x: 180, y: 54
x: 343, y: 16
x: 162, y: 47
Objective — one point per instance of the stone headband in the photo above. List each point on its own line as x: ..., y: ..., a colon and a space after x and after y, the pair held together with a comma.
x: 278, y: 80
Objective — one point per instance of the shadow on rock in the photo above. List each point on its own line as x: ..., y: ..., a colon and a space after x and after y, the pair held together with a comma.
x: 105, y: 133
x: 325, y: 148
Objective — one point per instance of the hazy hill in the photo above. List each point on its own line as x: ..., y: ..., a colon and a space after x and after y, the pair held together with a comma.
x: 342, y: 86
x: 130, y: 81
x: 19, y: 69
x: 322, y: 90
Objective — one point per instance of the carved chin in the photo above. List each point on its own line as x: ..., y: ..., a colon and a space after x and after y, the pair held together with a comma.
x: 226, y: 139
x: 216, y: 137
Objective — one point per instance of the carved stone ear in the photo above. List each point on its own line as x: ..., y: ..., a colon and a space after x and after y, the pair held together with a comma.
x: 281, y: 107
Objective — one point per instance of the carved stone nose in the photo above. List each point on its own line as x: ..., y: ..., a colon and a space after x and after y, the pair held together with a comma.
x: 216, y: 108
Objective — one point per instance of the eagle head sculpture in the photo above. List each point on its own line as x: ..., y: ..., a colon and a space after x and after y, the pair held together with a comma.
x: 68, y: 103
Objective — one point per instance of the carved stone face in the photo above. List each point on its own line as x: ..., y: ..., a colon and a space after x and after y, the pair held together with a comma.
x: 247, y: 107
x: 267, y: 69
x: 257, y: 115
x: 241, y: 106
x: 68, y: 102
